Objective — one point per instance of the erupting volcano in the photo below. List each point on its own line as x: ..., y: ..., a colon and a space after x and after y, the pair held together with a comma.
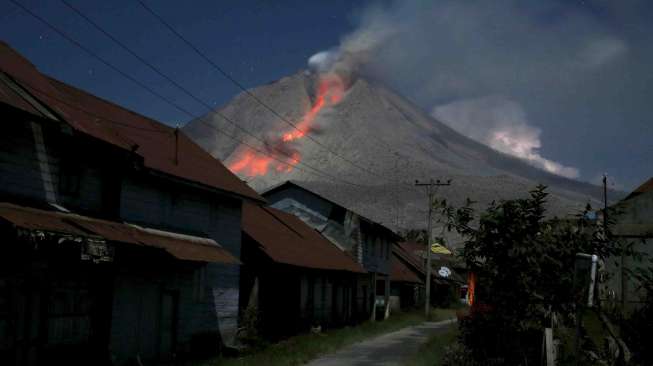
x: 370, y: 126
x: 281, y: 152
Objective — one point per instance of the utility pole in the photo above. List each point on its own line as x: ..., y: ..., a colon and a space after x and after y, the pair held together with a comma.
x: 431, y: 187
x: 605, y: 204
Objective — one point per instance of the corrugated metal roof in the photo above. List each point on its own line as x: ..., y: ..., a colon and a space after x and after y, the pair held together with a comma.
x: 415, y: 252
x: 400, y: 272
x: 644, y: 188
x: 11, y: 97
x: 287, y: 239
x: 184, y: 247
x: 155, y: 141
x: 322, y: 195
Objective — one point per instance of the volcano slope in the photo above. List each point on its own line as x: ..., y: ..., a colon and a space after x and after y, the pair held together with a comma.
x: 387, y: 143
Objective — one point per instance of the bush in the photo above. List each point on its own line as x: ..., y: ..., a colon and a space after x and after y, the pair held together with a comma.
x: 524, y: 265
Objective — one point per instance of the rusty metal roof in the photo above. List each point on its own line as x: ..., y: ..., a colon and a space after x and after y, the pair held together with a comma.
x: 644, y: 188
x: 287, y: 239
x: 399, y: 271
x: 155, y: 142
x: 180, y: 246
x: 322, y: 195
x: 412, y: 252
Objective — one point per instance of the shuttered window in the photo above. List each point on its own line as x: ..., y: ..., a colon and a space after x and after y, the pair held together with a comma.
x: 69, y: 313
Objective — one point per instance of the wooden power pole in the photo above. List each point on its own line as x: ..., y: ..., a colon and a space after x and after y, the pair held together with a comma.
x: 431, y: 187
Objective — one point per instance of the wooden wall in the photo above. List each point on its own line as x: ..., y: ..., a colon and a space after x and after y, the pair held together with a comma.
x: 186, y: 210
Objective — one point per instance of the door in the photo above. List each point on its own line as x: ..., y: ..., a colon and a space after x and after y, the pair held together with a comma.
x: 169, y: 303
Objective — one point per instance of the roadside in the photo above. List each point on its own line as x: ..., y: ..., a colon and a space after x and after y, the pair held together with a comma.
x: 432, y: 352
x: 301, y: 349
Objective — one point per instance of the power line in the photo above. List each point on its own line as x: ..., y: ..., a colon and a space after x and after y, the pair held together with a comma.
x: 97, y: 57
x: 109, y: 120
x: 247, y: 91
x: 180, y: 87
x: 74, y: 106
x: 431, y: 186
x: 202, y: 121
x: 132, y: 79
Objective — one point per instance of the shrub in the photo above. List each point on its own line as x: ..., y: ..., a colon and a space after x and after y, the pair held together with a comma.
x: 524, y: 264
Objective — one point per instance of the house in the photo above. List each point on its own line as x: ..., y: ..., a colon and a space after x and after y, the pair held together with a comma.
x: 121, y: 236
x: 633, y: 223
x: 407, y: 278
x: 367, y: 241
x: 448, y: 275
x: 293, y: 277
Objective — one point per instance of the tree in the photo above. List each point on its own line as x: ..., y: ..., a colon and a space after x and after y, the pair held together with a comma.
x: 524, y: 265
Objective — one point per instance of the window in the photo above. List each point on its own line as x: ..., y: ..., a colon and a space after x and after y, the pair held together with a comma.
x: 379, y: 254
x: 69, y: 313
x: 337, y: 214
x: 70, y: 170
x: 69, y: 178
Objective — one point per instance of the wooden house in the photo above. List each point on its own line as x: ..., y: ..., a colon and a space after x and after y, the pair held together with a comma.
x: 407, y: 278
x: 121, y: 237
x: 293, y: 278
x: 448, y: 276
x: 367, y: 241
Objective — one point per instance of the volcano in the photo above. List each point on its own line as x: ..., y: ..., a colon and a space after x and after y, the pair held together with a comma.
x: 373, y: 144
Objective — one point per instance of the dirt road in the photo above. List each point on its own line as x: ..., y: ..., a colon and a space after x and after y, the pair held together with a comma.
x: 386, y: 350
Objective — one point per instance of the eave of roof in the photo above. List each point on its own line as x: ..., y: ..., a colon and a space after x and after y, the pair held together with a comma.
x: 286, y: 239
x: 644, y: 188
x: 180, y: 246
x: 162, y: 148
x: 281, y: 186
x: 399, y: 272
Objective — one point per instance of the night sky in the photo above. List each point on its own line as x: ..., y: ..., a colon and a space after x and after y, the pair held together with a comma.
x: 526, y: 65
x: 255, y: 41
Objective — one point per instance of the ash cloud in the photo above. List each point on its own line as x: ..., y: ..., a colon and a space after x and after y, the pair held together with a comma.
x: 501, y: 124
x: 546, y: 73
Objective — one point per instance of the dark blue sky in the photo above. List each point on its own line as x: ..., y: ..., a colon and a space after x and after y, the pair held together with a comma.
x: 573, y: 76
x: 256, y: 41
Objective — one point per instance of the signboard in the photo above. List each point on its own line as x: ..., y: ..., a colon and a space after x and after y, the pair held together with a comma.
x: 439, y: 249
x: 444, y: 272
x: 96, y: 251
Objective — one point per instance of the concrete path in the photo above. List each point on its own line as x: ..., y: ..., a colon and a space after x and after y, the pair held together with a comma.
x: 387, y: 350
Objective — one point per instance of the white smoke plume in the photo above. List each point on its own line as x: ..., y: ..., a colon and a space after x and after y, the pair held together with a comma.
x: 551, y: 61
x: 501, y: 124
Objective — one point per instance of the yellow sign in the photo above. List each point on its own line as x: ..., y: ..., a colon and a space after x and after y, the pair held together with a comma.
x: 439, y: 249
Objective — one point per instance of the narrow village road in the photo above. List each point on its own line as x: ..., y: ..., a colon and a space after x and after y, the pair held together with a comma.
x: 385, y: 350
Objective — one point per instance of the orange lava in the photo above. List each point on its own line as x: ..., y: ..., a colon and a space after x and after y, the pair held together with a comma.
x: 471, y: 287
x: 330, y: 91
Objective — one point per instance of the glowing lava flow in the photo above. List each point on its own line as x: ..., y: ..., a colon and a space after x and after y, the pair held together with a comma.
x: 330, y: 91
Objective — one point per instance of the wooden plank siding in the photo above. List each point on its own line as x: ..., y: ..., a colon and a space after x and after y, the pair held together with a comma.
x: 205, y: 297
x: 169, y: 206
x: 20, y: 168
x: 365, y: 241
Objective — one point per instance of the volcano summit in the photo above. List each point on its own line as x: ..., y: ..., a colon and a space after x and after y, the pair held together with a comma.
x: 363, y: 145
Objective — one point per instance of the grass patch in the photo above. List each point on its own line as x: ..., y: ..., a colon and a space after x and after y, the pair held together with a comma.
x: 303, y: 348
x: 432, y: 352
